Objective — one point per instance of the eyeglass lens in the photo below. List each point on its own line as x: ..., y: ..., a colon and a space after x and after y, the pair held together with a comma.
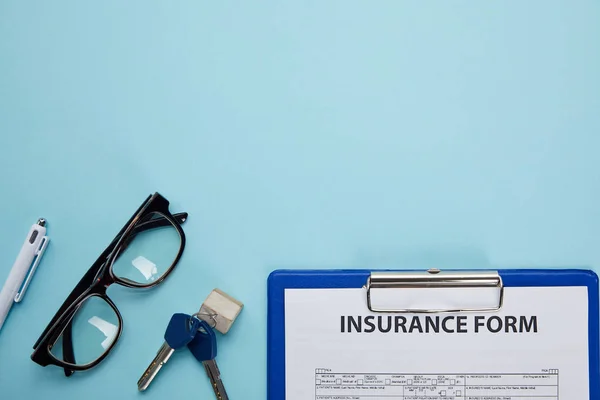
x: 93, y: 330
x: 149, y: 254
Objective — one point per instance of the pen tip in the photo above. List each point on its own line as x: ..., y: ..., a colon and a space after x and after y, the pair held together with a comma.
x: 41, y: 222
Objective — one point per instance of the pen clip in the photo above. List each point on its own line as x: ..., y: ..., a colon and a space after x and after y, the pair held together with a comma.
x: 38, y: 257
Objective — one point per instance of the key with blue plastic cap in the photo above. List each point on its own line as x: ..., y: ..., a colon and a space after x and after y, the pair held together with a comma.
x: 204, y: 349
x: 182, y: 329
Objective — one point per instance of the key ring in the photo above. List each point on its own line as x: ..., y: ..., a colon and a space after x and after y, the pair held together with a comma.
x: 212, y: 318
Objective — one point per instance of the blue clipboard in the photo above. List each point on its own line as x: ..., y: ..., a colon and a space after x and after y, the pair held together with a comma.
x: 280, y: 280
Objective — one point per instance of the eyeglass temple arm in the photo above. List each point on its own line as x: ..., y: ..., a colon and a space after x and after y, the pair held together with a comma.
x: 148, y: 223
x: 158, y: 223
x: 67, y: 346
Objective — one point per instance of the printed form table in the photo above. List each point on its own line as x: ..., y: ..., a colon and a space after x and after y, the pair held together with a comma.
x: 494, y: 386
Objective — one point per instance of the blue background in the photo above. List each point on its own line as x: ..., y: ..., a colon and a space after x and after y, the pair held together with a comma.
x: 316, y: 134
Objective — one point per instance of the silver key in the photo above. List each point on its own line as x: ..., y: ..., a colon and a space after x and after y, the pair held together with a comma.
x: 220, y: 311
x: 164, y: 353
x: 212, y: 370
x: 181, y: 330
x: 204, y: 349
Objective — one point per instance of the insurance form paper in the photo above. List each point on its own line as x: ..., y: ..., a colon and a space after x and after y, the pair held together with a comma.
x: 535, y: 348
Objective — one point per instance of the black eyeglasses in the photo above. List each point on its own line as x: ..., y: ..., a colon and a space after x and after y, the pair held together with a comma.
x: 88, y: 324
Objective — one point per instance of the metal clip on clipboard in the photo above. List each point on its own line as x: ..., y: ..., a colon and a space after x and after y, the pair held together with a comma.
x: 452, y: 291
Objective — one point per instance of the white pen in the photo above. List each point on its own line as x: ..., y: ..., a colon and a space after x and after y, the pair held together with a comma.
x: 22, y: 271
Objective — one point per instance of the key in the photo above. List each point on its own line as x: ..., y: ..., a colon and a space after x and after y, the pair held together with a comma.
x: 204, y: 348
x: 181, y: 330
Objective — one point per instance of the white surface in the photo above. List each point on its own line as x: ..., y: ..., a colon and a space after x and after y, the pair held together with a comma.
x: 314, y: 341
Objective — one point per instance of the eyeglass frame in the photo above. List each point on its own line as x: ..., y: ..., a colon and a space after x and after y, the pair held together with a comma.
x: 96, y: 281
